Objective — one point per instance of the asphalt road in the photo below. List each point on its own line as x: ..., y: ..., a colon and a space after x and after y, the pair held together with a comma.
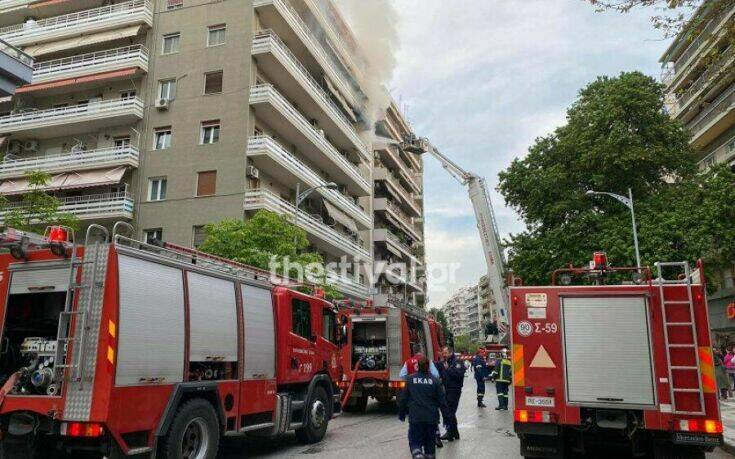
x: 379, y: 434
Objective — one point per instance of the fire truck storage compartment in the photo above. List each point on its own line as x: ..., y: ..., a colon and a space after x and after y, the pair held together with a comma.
x: 369, y: 341
x: 35, y: 300
x: 607, y: 351
x: 260, y: 338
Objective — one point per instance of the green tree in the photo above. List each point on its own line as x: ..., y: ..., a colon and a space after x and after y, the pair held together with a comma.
x: 617, y: 137
x: 441, y: 319
x: 464, y: 345
x: 36, y: 208
x: 265, y: 238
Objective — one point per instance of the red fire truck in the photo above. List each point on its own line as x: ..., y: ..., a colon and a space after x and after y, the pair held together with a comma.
x: 118, y: 348
x: 627, y: 365
x: 378, y: 342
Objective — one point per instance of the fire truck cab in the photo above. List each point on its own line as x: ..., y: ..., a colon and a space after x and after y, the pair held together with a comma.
x: 379, y: 340
x: 120, y: 348
x: 626, y: 367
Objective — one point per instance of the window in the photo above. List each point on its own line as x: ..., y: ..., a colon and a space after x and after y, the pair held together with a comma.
x: 157, y: 189
x: 121, y: 142
x: 213, y: 82
x: 171, y: 43
x: 216, y: 35
x: 209, y: 132
x: 329, y: 325
x: 200, y: 235
x: 731, y: 146
x: 127, y: 94
x: 206, y: 183
x: 167, y: 89
x: 174, y: 4
x: 152, y: 235
x: 301, y: 318
x: 162, y: 138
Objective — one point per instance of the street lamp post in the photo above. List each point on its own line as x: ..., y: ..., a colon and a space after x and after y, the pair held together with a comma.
x: 628, y: 202
x: 302, y: 195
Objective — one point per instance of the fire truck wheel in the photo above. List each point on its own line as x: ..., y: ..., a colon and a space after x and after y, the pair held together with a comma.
x: 25, y: 448
x: 194, y: 433
x: 316, y: 417
x: 665, y: 450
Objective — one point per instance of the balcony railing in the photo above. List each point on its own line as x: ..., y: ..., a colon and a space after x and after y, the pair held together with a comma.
x: 403, y: 218
x: 92, y: 206
x: 266, y: 145
x: 15, y: 53
x: 75, y: 113
x: 709, y: 75
x: 91, y: 62
x: 76, y: 23
x: 267, y: 93
x: 703, y: 36
x: 347, y: 286
x: 403, y: 194
x: 306, y: 36
x: 722, y: 104
x: 269, y: 41
x: 7, y: 4
x: 16, y: 167
x: 264, y: 199
x: 405, y: 247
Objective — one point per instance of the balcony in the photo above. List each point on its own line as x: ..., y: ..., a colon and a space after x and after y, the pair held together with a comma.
x: 269, y: 156
x: 390, y: 158
x: 394, y: 245
x: 280, y: 16
x: 294, y: 80
x: 91, y: 63
x: 399, y: 193
x: 71, y: 120
x: 713, y: 120
x: 92, y: 159
x: 294, y: 128
x: 16, y: 69
x: 80, y: 23
x: 348, y: 286
x: 321, y: 235
x: 396, y: 216
x: 91, y: 207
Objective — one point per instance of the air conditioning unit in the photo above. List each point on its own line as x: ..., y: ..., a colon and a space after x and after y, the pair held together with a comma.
x: 253, y: 172
x: 31, y: 145
x: 163, y: 104
x: 15, y: 147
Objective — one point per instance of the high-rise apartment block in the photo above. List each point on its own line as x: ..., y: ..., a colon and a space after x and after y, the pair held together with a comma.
x: 173, y: 114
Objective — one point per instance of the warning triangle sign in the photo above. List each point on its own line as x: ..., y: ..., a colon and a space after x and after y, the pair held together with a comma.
x: 542, y: 359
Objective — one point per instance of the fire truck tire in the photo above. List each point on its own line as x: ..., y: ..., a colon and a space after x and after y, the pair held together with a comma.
x: 194, y: 431
x: 666, y: 450
x: 316, y: 417
x: 19, y: 448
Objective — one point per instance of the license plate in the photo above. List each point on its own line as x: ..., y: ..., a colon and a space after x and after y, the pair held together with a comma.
x: 543, y: 402
x: 686, y: 438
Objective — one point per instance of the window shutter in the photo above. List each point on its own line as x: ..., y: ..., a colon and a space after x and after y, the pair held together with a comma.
x: 207, y: 183
x: 213, y: 83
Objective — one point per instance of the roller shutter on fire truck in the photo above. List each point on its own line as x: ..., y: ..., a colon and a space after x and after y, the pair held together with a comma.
x: 260, y: 338
x: 607, y: 351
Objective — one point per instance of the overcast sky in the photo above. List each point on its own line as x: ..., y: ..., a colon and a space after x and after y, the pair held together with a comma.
x: 483, y: 78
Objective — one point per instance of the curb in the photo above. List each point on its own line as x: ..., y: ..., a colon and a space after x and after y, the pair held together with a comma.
x: 728, y: 448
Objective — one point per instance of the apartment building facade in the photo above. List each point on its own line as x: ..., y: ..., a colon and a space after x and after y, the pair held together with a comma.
x: 173, y: 114
x: 699, y: 74
x: 398, y: 209
x: 16, y: 69
x: 463, y: 313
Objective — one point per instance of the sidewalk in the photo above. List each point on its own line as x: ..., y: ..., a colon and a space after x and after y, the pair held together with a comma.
x: 727, y: 410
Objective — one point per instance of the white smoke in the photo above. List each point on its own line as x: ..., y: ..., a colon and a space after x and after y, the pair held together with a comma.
x: 373, y: 23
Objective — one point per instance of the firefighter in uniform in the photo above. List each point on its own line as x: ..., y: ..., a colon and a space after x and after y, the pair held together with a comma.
x: 453, y: 381
x: 479, y: 366
x: 421, y: 400
x: 502, y: 376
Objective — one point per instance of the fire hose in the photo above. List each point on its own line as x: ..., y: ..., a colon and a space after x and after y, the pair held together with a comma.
x: 348, y: 393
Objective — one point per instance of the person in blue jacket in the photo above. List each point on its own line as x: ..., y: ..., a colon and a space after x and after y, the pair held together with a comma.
x: 422, y: 399
x: 479, y: 366
x: 453, y: 375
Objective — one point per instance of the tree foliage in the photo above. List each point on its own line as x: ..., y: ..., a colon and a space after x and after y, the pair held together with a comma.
x: 441, y: 319
x: 464, y: 345
x: 36, y: 208
x: 617, y: 137
x: 264, y: 238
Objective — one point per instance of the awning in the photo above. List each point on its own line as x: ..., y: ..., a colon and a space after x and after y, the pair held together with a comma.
x: 341, y: 99
x: 86, y: 40
x: 340, y: 217
x: 68, y: 180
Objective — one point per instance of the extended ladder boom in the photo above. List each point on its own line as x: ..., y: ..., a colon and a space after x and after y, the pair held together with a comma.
x: 486, y: 223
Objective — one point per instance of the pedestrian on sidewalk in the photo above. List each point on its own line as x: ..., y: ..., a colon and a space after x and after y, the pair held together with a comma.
x: 730, y: 367
x: 422, y: 399
x: 723, y: 382
x: 479, y: 366
x: 454, y: 370
x: 502, y: 376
